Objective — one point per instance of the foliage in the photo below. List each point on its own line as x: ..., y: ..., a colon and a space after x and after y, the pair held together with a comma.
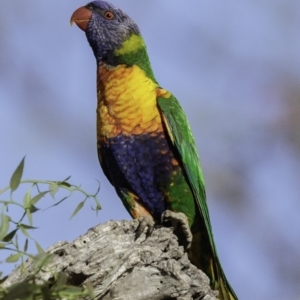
x: 9, y: 230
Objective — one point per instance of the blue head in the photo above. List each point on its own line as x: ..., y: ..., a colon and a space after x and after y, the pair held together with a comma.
x: 106, y: 27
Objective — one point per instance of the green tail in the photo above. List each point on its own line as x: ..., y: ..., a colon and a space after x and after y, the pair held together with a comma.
x: 205, y: 258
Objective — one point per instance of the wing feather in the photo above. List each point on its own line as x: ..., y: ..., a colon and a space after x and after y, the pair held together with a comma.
x: 181, y: 136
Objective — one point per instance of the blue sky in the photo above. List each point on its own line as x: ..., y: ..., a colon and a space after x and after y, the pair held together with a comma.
x: 233, y: 65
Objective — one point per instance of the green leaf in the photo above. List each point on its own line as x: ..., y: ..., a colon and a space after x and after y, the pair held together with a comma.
x: 13, y: 258
x: 24, y: 231
x: 61, y: 279
x: 64, y: 182
x: 2, y: 245
x: 57, y: 203
x: 66, y: 179
x: 53, y: 188
x: 29, y: 215
x: 10, y: 236
x: 26, y: 199
x: 71, y: 290
x: 36, y: 198
x: 39, y: 248
x: 22, y: 290
x: 46, y: 293
x: 41, y: 260
x: 27, y: 226
x: 25, y: 245
x: 60, y: 201
x: 4, y: 226
x: 17, y: 175
x: 78, y: 208
x: 33, y: 209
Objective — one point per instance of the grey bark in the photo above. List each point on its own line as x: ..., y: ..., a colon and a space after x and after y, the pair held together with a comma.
x: 122, y: 267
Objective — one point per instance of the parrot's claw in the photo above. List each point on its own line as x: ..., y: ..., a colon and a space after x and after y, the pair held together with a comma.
x: 145, y: 221
x: 179, y: 222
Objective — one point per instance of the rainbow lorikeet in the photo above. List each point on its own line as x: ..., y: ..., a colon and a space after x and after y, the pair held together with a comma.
x: 145, y: 144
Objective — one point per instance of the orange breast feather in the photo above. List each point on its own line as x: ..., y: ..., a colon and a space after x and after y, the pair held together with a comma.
x: 126, y: 102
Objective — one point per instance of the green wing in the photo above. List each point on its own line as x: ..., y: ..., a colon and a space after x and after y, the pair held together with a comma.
x: 181, y: 135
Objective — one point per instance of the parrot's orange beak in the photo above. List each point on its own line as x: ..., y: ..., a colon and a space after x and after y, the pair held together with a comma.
x: 81, y: 17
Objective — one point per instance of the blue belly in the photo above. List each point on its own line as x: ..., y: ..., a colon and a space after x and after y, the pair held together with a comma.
x: 141, y: 164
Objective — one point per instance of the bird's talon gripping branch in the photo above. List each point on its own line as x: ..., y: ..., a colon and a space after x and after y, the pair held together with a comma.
x: 179, y: 221
x: 145, y: 221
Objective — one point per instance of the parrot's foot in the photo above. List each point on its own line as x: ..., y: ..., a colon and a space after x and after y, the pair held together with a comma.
x: 179, y: 223
x: 145, y: 221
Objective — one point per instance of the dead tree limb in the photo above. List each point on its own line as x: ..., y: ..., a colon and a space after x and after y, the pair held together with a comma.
x: 120, y: 267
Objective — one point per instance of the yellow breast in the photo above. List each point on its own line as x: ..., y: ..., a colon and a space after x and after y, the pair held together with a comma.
x: 126, y: 102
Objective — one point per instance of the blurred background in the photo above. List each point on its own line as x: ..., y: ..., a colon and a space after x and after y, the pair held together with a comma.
x: 235, y: 67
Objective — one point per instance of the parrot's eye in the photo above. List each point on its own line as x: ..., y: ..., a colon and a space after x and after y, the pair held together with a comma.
x: 108, y: 15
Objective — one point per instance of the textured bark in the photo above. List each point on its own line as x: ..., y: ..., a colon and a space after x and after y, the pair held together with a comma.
x: 122, y: 267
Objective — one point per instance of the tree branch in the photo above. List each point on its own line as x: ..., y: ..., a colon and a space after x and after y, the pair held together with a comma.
x: 120, y: 267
